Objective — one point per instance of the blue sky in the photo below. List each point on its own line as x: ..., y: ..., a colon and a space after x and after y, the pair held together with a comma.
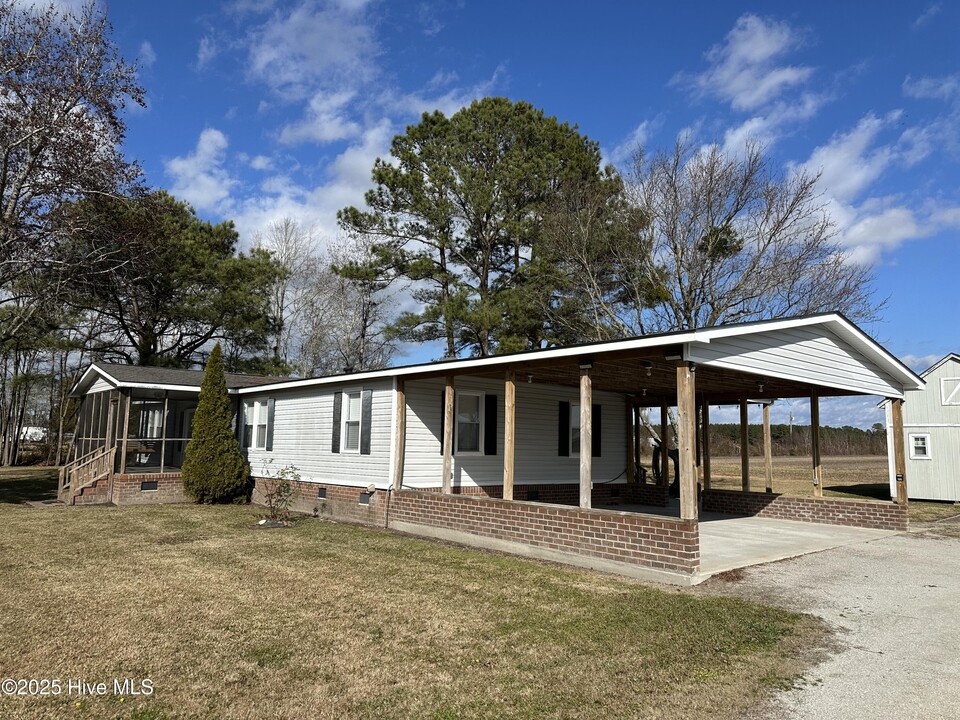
x: 261, y: 109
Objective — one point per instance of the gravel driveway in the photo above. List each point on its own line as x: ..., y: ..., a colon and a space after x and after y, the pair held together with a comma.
x: 895, y: 604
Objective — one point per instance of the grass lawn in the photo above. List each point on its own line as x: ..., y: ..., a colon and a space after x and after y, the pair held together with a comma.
x: 856, y: 477
x: 19, y: 484
x: 332, y: 621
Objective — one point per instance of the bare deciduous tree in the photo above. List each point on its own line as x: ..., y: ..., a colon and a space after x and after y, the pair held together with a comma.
x: 728, y: 240
x: 62, y: 87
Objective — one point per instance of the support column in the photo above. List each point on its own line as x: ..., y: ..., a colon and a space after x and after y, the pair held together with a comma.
x: 448, y: 420
x: 400, y: 439
x: 664, y: 445
x: 163, y: 430
x: 631, y: 448
x: 706, y: 445
x: 586, y: 438
x: 744, y: 446
x: 126, y: 430
x: 509, y: 431
x: 899, y: 452
x: 686, y: 440
x: 767, y: 448
x: 815, y: 445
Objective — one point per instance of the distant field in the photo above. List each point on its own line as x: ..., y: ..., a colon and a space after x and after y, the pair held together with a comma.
x: 843, y: 476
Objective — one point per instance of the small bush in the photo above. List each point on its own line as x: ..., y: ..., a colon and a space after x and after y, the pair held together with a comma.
x: 277, y: 491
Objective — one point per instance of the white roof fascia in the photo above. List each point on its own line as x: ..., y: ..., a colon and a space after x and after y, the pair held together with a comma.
x: 885, y: 360
x: 93, y: 369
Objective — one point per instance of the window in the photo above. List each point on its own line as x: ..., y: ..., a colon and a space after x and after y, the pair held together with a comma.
x: 950, y: 391
x: 574, y: 430
x: 469, y: 423
x: 352, y: 413
x: 351, y: 421
x: 256, y: 424
x: 920, y: 447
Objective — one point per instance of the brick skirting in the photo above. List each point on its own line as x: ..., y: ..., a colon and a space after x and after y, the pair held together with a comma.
x: 569, y: 493
x: 129, y: 489
x: 341, y: 502
x: 875, y: 514
x: 658, y: 543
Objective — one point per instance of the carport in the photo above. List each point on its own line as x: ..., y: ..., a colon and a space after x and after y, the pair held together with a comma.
x: 686, y: 372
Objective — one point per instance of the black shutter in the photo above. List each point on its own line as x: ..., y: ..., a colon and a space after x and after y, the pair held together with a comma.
x: 443, y: 416
x: 337, y: 410
x: 563, y: 434
x: 489, y: 424
x: 271, y: 413
x: 366, y: 411
x: 595, y: 430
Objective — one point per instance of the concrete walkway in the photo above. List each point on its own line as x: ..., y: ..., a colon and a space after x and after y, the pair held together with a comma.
x: 895, y: 603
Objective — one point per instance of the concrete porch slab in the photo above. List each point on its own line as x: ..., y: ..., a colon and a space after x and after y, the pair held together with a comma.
x: 727, y: 543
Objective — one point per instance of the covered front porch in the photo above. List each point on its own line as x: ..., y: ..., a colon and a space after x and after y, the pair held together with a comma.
x: 627, y: 523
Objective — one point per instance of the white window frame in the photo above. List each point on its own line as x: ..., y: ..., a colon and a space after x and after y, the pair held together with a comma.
x: 926, y: 444
x: 574, y: 417
x: 345, y: 419
x: 456, y: 423
x: 952, y: 396
x: 253, y: 412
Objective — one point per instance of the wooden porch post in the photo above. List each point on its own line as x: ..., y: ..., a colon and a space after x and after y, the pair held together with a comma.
x: 664, y: 445
x: 767, y: 448
x: 686, y: 440
x: 815, y: 445
x: 744, y: 446
x: 126, y: 430
x: 706, y: 444
x: 400, y: 440
x: 163, y: 430
x: 586, y: 437
x: 899, y: 452
x: 509, y: 431
x: 448, y: 420
x: 631, y: 448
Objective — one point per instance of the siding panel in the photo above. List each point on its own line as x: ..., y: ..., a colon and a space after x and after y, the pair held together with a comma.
x: 536, y: 459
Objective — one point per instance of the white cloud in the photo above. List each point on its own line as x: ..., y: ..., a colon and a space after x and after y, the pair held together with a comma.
x: 147, y: 55
x: 261, y: 162
x: 199, y: 177
x: 325, y: 120
x: 637, y: 137
x: 919, y: 363
x: 849, y: 162
x: 927, y: 15
x: 744, y: 69
x: 311, y: 45
x: 933, y: 88
x: 416, y: 103
x: 206, y: 51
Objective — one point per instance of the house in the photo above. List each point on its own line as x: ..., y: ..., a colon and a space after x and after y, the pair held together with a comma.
x: 527, y: 452
x: 931, y: 425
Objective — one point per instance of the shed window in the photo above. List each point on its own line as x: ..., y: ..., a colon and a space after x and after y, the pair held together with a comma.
x: 469, y: 422
x: 920, y: 447
x: 950, y: 391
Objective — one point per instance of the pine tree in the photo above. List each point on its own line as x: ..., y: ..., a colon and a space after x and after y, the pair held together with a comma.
x: 214, y: 469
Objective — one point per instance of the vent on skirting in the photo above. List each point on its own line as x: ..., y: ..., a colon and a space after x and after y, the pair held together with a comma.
x: 148, y: 485
x: 322, y: 493
x: 365, y: 498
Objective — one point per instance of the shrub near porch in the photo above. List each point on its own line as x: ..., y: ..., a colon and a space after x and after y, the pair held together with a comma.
x: 328, y: 620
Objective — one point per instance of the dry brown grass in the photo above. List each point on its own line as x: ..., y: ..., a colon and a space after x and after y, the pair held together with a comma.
x: 332, y: 621
x: 853, y: 476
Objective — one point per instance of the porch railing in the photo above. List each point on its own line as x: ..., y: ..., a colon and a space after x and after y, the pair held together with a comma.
x: 84, y: 472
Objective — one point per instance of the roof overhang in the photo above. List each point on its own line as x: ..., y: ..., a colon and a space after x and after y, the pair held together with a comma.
x: 560, y: 364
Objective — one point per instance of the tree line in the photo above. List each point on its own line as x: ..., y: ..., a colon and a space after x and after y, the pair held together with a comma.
x: 794, y: 440
x: 493, y: 230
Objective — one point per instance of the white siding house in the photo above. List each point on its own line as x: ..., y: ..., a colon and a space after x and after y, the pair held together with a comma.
x: 931, y: 423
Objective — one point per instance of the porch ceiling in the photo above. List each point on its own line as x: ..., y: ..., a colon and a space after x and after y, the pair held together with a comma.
x: 626, y: 373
